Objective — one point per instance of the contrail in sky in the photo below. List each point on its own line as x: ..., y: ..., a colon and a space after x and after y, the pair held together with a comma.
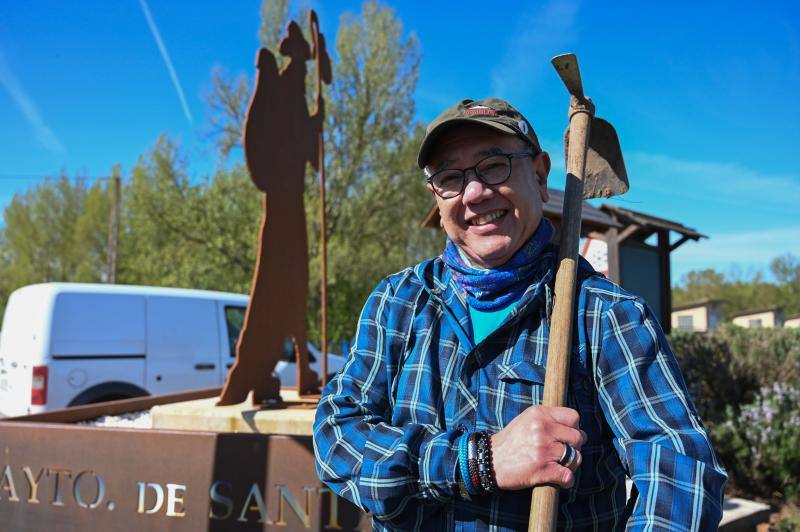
x: 43, y: 134
x: 165, y: 55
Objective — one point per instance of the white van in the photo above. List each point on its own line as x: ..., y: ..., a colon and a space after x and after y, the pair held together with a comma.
x: 65, y: 344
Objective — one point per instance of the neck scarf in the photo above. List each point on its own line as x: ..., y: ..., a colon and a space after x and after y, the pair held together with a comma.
x: 496, y: 288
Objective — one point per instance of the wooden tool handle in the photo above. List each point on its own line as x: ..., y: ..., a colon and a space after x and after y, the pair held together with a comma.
x: 544, y: 500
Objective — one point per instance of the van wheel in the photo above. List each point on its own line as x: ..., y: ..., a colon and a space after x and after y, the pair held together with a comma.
x: 108, y: 391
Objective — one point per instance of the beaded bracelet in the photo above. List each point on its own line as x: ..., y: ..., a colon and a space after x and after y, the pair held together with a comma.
x: 472, y: 461
x: 463, y: 465
x: 487, y: 479
x: 479, y: 461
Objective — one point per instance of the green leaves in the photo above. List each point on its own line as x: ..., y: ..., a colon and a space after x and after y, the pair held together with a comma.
x: 173, y: 232
x: 744, y: 385
x: 179, y: 233
x: 761, y: 442
x: 51, y: 233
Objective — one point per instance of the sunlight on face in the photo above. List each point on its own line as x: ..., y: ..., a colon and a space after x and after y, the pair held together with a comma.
x: 490, y: 223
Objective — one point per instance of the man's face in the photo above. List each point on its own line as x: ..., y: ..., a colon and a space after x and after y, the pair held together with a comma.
x: 471, y: 219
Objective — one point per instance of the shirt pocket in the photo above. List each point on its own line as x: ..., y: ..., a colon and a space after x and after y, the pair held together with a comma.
x: 523, y: 371
x: 519, y: 385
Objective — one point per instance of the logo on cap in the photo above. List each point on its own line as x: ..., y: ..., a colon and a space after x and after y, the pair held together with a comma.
x: 523, y: 126
x: 480, y: 110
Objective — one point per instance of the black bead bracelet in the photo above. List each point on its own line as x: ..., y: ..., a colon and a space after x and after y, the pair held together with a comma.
x: 479, y: 456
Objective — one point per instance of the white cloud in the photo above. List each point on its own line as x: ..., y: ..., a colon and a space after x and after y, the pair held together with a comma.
x: 537, y: 35
x: 754, y: 246
x: 718, y: 182
x: 43, y: 134
x: 165, y: 56
x: 742, y: 252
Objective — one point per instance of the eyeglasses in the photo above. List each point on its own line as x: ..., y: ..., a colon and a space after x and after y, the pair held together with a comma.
x: 491, y: 170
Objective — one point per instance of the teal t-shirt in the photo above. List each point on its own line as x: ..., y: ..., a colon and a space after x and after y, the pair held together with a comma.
x: 485, y: 323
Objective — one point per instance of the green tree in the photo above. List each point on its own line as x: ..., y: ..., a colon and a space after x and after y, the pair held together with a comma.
x: 745, y: 294
x: 786, y: 270
x: 159, y: 216
x: 227, y: 103
x: 375, y: 197
x: 173, y: 231
x: 55, y: 231
x: 179, y: 233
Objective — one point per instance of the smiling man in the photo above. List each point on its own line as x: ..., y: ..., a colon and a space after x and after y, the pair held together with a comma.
x: 436, y: 422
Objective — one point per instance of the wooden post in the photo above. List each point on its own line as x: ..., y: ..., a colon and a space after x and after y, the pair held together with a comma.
x: 323, y: 243
x: 665, y: 280
x: 113, y: 230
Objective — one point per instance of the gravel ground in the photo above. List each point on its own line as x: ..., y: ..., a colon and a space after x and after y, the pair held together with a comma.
x: 131, y: 420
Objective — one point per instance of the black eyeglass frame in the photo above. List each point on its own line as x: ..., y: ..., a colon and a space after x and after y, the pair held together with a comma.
x: 474, y: 169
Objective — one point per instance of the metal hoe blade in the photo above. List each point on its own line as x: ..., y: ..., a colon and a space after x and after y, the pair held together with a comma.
x: 605, y: 168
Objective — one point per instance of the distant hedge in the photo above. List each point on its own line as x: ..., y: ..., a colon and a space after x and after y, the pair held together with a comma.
x: 746, y: 386
x: 728, y: 367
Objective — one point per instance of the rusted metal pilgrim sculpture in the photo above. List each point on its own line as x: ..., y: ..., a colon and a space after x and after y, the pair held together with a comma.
x: 280, y: 137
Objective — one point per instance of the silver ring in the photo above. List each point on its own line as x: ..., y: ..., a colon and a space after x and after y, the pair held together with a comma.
x: 569, y: 456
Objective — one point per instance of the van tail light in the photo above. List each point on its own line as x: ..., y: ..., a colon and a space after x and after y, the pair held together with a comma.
x: 39, y: 389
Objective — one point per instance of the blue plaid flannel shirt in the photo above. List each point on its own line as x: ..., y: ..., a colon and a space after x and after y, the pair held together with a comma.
x: 387, y: 427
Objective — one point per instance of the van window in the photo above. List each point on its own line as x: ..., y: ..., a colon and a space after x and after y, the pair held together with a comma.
x: 234, y: 316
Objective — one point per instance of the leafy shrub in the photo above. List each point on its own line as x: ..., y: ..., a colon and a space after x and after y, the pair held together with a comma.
x: 760, y: 444
x: 787, y: 524
x: 726, y: 368
x: 713, y: 376
x: 788, y: 520
x: 768, y: 355
x: 754, y: 422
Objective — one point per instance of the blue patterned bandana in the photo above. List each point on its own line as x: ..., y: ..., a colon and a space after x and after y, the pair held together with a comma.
x: 496, y: 288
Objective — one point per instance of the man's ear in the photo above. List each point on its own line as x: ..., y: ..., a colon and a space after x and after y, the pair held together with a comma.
x: 542, y: 167
x: 430, y: 189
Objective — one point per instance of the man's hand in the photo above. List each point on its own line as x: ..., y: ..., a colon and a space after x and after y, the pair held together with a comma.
x: 527, y: 451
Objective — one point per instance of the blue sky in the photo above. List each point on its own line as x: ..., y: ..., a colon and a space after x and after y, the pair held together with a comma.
x: 703, y: 94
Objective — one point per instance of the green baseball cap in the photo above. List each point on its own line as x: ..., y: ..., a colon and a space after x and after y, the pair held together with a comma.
x: 491, y: 112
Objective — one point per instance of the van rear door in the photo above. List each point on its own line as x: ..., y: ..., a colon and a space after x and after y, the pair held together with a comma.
x: 97, y: 338
x: 23, y: 341
x: 182, y: 344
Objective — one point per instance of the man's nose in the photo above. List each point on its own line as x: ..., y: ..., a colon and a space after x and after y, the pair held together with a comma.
x: 475, y: 190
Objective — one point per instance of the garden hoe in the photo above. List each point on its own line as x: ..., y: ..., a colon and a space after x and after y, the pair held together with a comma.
x: 595, y: 169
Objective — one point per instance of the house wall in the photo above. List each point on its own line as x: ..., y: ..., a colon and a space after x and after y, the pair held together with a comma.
x: 699, y: 316
x: 768, y: 320
x: 793, y: 323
